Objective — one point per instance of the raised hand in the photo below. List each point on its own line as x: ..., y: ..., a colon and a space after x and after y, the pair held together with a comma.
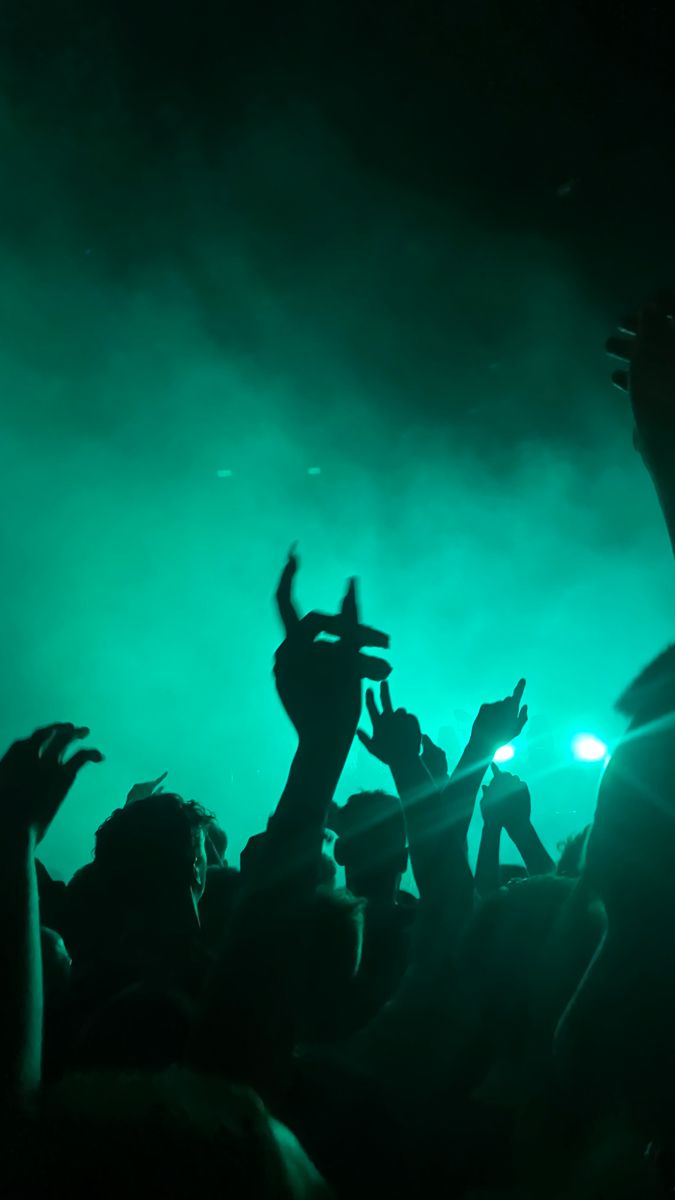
x: 506, y: 801
x: 646, y: 348
x: 141, y: 791
x: 434, y: 759
x: 501, y: 722
x: 396, y: 733
x: 319, y: 682
x: 36, y: 776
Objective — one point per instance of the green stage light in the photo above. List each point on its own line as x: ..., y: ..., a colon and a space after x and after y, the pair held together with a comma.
x: 588, y: 748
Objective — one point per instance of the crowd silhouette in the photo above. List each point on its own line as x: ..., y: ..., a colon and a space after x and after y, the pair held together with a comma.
x: 173, y: 1023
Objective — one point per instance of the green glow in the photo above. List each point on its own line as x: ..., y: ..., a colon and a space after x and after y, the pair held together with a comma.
x: 504, y: 754
x: 444, y: 373
x: 588, y: 748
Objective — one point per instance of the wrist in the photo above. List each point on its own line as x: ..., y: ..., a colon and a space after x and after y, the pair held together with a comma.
x: 19, y: 846
x: 518, y: 828
x: 481, y: 747
x: 492, y: 824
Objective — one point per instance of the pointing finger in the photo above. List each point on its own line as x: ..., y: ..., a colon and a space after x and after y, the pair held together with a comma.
x: 371, y: 705
x: 349, y: 609
x: 284, y: 595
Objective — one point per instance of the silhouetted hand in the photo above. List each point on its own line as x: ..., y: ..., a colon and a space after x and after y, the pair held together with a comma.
x: 646, y: 347
x: 434, y: 759
x: 396, y: 734
x: 506, y: 801
x: 319, y: 682
x: 501, y: 722
x: 141, y: 791
x: 35, y: 776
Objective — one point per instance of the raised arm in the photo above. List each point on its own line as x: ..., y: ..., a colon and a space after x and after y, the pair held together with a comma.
x: 319, y: 685
x: 507, y: 805
x: 35, y: 778
x: 248, y: 1027
x: 496, y: 725
x: 396, y: 740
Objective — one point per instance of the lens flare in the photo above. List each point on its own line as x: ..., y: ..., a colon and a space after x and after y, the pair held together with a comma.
x: 503, y: 754
x: 588, y: 748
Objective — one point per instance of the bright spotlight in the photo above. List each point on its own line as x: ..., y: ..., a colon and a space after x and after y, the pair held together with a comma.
x: 503, y: 754
x: 588, y: 748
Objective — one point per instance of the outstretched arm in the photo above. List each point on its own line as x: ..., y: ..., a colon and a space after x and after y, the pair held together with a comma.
x: 34, y: 781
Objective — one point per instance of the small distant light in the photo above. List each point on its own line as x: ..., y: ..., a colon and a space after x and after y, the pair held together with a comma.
x: 314, y: 470
x: 588, y: 748
x: 503, y: 754
x: 224, y: 473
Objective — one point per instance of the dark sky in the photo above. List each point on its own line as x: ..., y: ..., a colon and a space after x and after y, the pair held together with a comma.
x: 132, y: 126
x: 517, y: 98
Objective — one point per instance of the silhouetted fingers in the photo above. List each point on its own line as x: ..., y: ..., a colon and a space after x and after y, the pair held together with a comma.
x: 621, y: 348
x: 41, y: 737
x: 160, y: 779
x: 349, y: 610
x: 385, y: 699
x: 80, y: 759
x: 621, y: 380
x: 522, y: 719
x: 518, y: 692
x: 496, y: 770
x: 358, y: 635
x: 371, y: 706
x: 365, y: 740
x: 60, y: 740
x: 373, y: 668
x: 285, y: 604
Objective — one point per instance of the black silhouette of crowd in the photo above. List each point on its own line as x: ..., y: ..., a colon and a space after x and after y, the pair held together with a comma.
x: 173, y: 1024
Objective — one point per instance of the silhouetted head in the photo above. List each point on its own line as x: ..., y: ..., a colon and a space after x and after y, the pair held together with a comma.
x: 371, y: 844
x: 153, y: 846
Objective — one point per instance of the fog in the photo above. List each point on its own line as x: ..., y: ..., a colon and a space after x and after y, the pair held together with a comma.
x: 416, y: 393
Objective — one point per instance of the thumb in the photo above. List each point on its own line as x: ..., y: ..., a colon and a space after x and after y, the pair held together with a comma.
x: 496, y: 770
x: 365, y: 739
